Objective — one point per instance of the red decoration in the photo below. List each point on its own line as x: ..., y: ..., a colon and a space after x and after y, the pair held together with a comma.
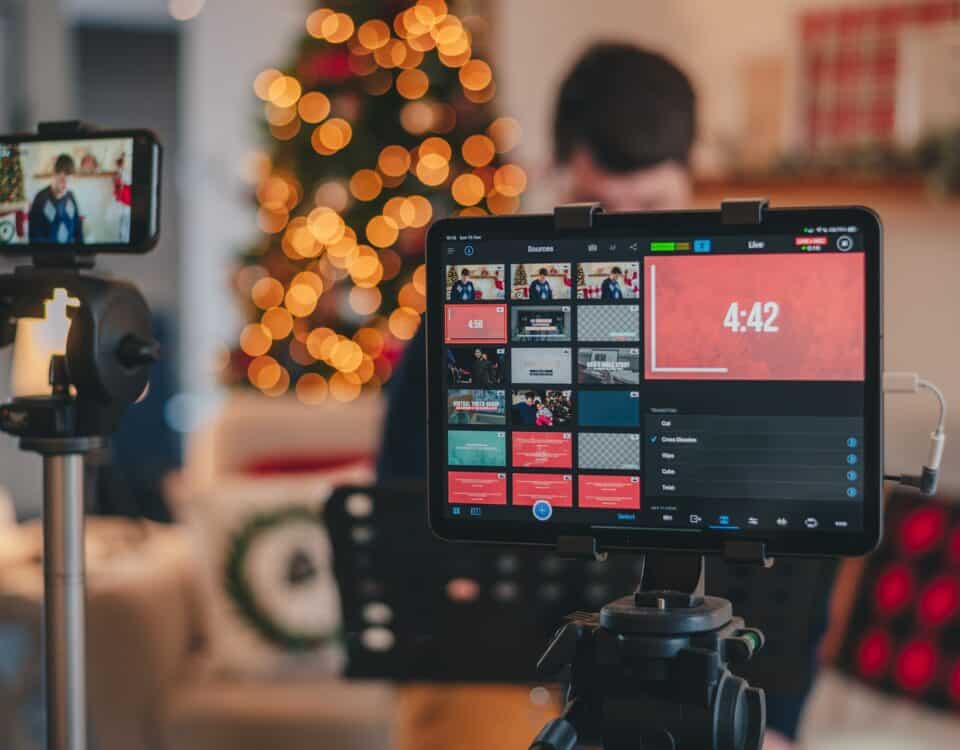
x: 894, y: 589
x: 923, y: 529
x: 873, y: 654
x: 939, y: 601
x: 916, y: 666
x: 328, y: 66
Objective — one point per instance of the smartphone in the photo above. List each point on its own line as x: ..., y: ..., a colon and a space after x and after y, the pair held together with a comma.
x: 658, y: 380
x: 93, y: 192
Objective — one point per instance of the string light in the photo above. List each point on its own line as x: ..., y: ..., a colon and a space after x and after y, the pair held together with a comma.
x: 412, y: 84
x: 313, y: 107
x: 366, y: 184
x: 467, y: 189
x: 278, y: 322
x: 382, y: 231
x: 312, y: 388
x: 394, y: 161
x: 321, y: 248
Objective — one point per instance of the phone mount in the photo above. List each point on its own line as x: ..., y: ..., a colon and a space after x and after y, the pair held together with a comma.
x: 104, y: 369
x: 650, y: 670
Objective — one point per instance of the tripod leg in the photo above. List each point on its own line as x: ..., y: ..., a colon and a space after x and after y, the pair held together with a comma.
x: 64, y: 611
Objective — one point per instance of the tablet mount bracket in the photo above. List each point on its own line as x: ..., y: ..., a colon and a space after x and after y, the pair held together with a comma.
x: 650, y: 669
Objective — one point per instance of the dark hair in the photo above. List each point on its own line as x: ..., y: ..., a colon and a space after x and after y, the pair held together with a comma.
x: 616, y: 269
x: 631, y: 108
x: 64, y: 165
x: 542, y: 272
x: 529, y: 394
x: 465, y: 272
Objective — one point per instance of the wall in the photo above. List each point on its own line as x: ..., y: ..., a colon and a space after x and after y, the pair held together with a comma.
x: 536, y: 41
x: 223, y: 50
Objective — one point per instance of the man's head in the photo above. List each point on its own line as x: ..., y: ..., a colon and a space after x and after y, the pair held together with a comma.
x: 615, y: 273
x: 62, y: 169
x: 465, y: 274
x: 542, y: 274
x: 529, y: 396
x: 624, y: 125
x: 477, y: 353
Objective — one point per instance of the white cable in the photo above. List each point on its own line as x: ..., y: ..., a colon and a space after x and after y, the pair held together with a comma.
x: 911, y: 382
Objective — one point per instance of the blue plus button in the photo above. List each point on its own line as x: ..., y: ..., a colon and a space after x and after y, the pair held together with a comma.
x: 851, y: 491
x: 542, y: 510
x: 852, y: 442
x: 851, y: 458
x: 852, y: 476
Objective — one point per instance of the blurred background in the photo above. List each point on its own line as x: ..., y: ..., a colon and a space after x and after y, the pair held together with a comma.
x: 289, y: 279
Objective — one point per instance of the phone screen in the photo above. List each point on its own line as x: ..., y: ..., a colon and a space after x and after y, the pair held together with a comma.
x: 682, y: 383
x: 77, y: 192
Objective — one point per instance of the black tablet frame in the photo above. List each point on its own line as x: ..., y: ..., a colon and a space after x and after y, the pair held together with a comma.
x: 704, y: 223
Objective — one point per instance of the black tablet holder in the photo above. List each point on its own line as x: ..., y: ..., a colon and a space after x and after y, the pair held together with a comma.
x: 650, y: 670
x: 104, y: 369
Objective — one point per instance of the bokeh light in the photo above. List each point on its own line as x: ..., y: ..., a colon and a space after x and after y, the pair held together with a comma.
x: 394, y: 161
x: 404, y: 322
x: 278, y: 322
x: 312, y: 388
x: 313, y: 107
x: 267, y: 293
x: 478, y: 150
x: 345, y: 386
x: 505, y: 133
x: 373, y: 34
x: 467, y: 189
x: 255, y: 339
x: 382, y: 231
x: 412, y: 84
x: 366, y: 184
x: 510, y: 180
x: 475, y: 75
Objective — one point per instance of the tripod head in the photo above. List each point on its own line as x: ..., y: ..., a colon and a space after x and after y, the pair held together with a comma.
x: 106, y: 364
x: 650, y: 670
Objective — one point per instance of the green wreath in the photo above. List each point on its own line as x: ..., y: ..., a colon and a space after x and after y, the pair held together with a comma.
x: 238, y: 588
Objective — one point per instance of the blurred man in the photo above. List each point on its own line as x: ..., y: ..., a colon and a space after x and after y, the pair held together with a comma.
x: 54, y: 214
x: 623, y: 129
x: 462, y: 289
x: 525, y: 412
x: 540, y: 287
x: 610, y: 288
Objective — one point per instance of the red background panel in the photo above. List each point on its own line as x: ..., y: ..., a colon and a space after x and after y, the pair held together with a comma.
x: 476, y: 488
x: 556, y: 489
x: 608, y: 492
x: 542, y: 450
x: 821, y: 316
x: 492, y: 327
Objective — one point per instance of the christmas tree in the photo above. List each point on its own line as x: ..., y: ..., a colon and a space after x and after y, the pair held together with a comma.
x: 11, y: 176
x: 381, y: 123
x: 520, y: 276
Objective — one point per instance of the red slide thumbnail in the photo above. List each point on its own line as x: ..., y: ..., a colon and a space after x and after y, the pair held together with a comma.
x: 755, y: 317
x: 475, y: 324
x: 608, y: 492
x: 556, y: 489
x: 542, y: 450
x: 476, y: 488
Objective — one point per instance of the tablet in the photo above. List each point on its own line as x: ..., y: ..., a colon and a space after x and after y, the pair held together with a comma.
x: 657, y: 380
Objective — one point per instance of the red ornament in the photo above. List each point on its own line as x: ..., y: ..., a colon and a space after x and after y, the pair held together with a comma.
x: 893, y: 589
x: 916, y: 666
x: 873, y: 654
x: 328, y: 66
x: 939, y: 601
x: 922, y: 529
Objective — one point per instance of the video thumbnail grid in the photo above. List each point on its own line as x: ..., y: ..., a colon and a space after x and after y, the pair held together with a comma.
x: 559, y: 419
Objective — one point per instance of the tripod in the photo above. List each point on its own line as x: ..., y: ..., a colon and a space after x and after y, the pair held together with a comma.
x: 649, y: 671
x: 109, y: 351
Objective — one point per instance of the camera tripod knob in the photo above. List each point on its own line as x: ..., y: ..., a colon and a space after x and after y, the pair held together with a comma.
x: 741, y: 647
x: 135, y: 351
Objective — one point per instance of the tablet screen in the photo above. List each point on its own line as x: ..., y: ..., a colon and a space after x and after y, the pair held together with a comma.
x: 697, y: 383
